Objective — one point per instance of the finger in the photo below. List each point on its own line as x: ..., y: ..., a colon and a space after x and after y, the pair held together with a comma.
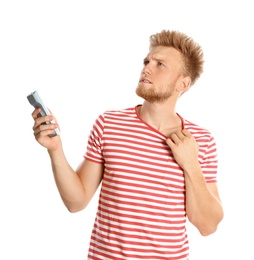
x: 186, y: 133
x: 44, y: 129
x: 177, y: 137
x: 35, y: 113
x: 44, y: 134
x: 42, y: 121
x: 170, y: 143
x: 53, y: 117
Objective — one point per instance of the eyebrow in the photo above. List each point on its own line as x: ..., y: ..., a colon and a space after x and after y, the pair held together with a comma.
x: 154, y: 58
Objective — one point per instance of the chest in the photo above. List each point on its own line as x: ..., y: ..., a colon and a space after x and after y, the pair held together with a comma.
x: 144, y: 164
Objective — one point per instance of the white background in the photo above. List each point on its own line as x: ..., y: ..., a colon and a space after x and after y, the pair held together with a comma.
x: 85, y: 57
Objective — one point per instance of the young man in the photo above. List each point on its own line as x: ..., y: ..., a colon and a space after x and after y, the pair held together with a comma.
x: 156, y: 168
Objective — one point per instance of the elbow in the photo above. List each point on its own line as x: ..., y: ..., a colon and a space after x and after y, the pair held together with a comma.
x: 209, y: 228
x: 207, y: 231
x: 74, y: 208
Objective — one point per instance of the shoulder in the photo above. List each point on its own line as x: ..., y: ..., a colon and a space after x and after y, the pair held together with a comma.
x: 195, y: 127
x: 116, y: 116
x: 197, y: 130
x: 126, y: 113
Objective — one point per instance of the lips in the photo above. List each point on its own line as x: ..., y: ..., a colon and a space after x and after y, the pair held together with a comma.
x: 145, y: 81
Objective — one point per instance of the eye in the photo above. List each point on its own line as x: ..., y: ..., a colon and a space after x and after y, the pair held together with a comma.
x: 146, y: 62
x: 160, y: 63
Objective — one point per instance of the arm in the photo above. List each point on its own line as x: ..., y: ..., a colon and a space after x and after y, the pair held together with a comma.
x: 76, y: 188
x: 203, y: 205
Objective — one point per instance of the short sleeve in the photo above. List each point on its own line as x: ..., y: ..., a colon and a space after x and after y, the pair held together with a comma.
x: 209, y: 160
x: 94, y: 144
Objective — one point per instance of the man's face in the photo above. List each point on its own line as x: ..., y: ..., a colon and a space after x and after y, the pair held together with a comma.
x: 160, y: 74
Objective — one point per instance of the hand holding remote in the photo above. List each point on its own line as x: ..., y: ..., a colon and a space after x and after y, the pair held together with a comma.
x: 36, y: 101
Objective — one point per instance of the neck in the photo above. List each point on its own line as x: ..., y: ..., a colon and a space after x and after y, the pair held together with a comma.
x: 162, y: 116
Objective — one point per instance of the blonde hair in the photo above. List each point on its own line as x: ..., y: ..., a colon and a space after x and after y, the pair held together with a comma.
x: 192, y: 53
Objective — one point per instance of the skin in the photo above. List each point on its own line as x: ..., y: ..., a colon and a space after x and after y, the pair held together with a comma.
x: 161, y: 84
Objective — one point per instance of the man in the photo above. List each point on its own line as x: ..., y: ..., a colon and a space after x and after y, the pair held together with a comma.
x: 156, y: 168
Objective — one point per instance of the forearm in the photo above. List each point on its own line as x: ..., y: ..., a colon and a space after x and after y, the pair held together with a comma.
x: 67, y: 181
x: 204, y: 209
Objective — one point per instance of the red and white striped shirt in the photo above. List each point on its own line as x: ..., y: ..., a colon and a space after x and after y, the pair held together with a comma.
x: 141, y: 212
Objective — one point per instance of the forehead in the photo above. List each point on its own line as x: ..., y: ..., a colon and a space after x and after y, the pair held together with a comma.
x: 165, y: 53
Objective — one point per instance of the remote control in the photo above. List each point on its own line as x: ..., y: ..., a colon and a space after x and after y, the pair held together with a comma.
x: 36, y: 101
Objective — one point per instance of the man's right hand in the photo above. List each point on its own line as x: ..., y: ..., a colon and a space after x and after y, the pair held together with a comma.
x: 43, y: 130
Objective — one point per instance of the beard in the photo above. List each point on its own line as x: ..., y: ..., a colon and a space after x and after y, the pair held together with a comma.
x: 153, y: 96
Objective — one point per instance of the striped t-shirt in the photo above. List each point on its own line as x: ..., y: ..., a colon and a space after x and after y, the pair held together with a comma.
x: 141, y: 211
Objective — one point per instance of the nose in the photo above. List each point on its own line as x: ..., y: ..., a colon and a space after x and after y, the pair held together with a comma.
x: 146, y: 70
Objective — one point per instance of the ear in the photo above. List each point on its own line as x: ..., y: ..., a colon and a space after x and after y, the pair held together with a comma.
x: 184, y: 84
